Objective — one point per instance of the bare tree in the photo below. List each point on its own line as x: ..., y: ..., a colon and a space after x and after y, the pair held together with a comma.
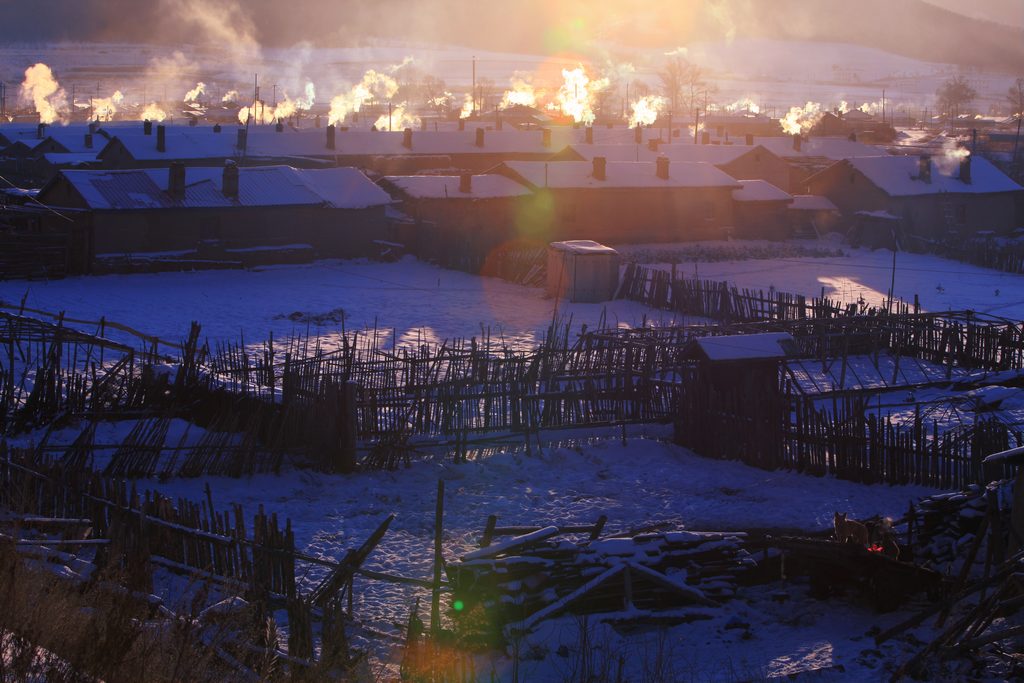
x: 1015, y: 97
x: 684, y: 85
x: 955, y: 94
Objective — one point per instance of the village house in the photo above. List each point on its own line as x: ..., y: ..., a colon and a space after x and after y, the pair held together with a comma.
x: 224, y: 211
x: 739, y: 161
x: 626, y: 201
x: 856, y: 125
x: 460, y: 220
x: 806, y: 156
x: 923, y: 197
x: 812, y: 216
x: 761, y: 211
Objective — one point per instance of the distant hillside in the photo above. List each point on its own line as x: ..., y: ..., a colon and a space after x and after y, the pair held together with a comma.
x: 912, y: 28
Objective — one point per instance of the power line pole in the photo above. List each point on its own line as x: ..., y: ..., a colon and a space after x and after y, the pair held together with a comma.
x: 474, y: 86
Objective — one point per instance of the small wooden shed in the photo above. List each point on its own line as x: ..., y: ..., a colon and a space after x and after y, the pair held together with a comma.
x: 582, y: 271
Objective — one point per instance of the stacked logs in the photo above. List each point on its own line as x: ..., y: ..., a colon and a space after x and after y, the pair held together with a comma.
x: 649, y: 576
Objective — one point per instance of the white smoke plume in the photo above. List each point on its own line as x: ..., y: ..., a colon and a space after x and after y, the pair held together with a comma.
x: 152, y: 112
x: 644, y: 112
x: 194, y: 94
x: 104, y: 108
x: 400, y: 119
x: 230, y: 96
x: 41, y: 89
x: 263, y: 113
x: 375, y: 86
x: 575, y: 97
x: 801, y: 120
x: 467, y: 107
x: 520, y: 93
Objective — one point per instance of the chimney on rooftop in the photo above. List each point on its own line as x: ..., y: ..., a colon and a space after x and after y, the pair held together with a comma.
x: 797, y: 142
x: 853, y: 136
x: 216, y: 128
x: 600, y: 168
x: 466, y: 183
x: 407, y: 138
x: 161, y: 139
x: 243, y: 139
x: 705, y: 138
x: 750, y: 140
x: 653, y: 143
x: 638, y: 135
x: 317, y: 120
x: 924, y: 168
x: 965, y: 170
x: 479, y: 137
x: 175, y: 178
x: 279, y: 127
x: 545, y: 137
x: 590, y: 135
x: 40, y: 129
x: 462, y: 124
x: 423, y: 124
x: 662, y: 167
x: 93, y: 127
x: 192, y: 121
x: 331, y: 135
x: 498, y: 125
x: 229, y: 183
x: 147, y: 127
x: 88, y: 140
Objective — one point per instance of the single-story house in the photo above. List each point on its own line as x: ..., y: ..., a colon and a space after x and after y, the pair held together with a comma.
x: 761, y: 211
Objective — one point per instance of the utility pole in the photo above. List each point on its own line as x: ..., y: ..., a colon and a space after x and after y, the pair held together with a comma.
x: 883, y: 106
x: 275, y: 96
x: 696, y: 125
x: 3, y: 99
x: 473, y: 95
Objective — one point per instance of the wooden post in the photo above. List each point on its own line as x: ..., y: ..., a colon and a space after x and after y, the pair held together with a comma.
x: 349, y: 427
x: 435, y: 596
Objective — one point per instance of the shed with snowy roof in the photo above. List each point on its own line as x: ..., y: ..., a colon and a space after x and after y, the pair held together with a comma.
x: 582, y: 271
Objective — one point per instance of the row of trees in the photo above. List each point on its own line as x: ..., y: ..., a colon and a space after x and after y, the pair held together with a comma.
x: 956, y: 94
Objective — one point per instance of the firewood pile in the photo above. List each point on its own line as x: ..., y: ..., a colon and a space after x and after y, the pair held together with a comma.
x: 946, y: 531
x: 649, y: 576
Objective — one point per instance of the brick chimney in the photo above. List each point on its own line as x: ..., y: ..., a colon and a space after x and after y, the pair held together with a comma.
x: 705, y: 138
x: 216, y: 128
x: 317, y: 123
x: 965, y: 170
x: 853, y: 136
x: 88, y: 140
x: 175, y: 178
x: 407, y: 138
x: 750, y: 140
x: 466, y: 183
x: 600, y: 168
x: 661, y: 164
x: 147, y: 127
x: 638, y: 135
x: 229, y: 183
x: 479, y: 137
x: 498, y: 125
x: 279, y: 127
x: 545, y: 137
x: 331, y: 136
x: 161, y: 138
x: 924, y: 168
x: 797, y: 142
x: 589, y: 135
x: 462, y: 124
x: 653, y: 143
x: 93, y: 127
x: 40, y: 130
x: 192, y: 121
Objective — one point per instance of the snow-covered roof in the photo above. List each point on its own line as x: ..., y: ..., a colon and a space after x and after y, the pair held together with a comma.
x: 487, y: 186
x: 676, y: 152
x: 763, y: 346
x: 70, y: 159
x: 898, y: 176
x: 830, y: 148
x: 340, y: 188
x: 618, y: 174
x: 760, y: 191
x: 878, y: 215
x: 582, y: 247
x: 812, y: 202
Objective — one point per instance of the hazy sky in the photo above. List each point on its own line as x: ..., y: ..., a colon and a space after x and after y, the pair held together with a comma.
x: 999, y: 11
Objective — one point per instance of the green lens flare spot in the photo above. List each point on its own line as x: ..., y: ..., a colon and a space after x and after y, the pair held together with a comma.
x: 458, y: 605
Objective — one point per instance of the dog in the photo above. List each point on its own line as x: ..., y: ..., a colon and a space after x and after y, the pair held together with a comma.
x: 847, y: 530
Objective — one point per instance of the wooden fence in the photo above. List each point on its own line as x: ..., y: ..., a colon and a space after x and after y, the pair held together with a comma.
x: 183, y: 533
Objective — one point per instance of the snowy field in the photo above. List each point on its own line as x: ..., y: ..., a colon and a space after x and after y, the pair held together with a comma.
x: 411, y: 301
